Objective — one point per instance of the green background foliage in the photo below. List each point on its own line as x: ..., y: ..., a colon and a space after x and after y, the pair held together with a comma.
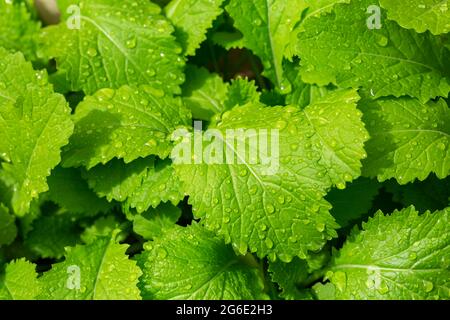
x: 94, y: 206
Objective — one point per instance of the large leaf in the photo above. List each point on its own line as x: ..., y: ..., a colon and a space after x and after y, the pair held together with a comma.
x: 33, y: 128
x: 192, y: 264
x: 276, y: 208
x: 126, y: 124
x: 192, y: 18
x: 400, y: 256
x: 118, y: 42
x: 339, y: 48
x: 18, y: 30
x: 102, y: 268
x: 266, y: 26
x: 432, y: 15
x: 409, y: 139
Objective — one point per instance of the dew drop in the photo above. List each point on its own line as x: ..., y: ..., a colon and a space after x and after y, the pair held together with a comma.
x: 285, y: 257
x: 243, y: 248
x: 383, y: 288
x: 340, y: 186
x: 157, y: 93
x: 91, y: 52
x: 131, y: 43
x: 151, y: 143
x: 105, y: 94
x: 243, y: 172
x: 285, y: 87
x: 382, y: 41
x: 281, y: 124
x: 162, y: 253
x: 270, y: 208
x: 269, y: 243
x: 320, y: 227
x: 253, y: 189
x: 151, y: 72
x: 428, y: 286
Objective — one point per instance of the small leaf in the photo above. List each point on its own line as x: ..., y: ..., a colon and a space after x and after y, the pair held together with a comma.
x: 153, y: 223
x: 101, y: 268
x: 19, y: 281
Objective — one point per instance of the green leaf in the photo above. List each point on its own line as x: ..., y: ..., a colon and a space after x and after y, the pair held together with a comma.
x: 400, y: 256
x: 51, y: 234
x: 102, y: 227
x: 191, y: 263
x: 432, y: 15
x: 141, y: 184
x: 240, y: 92
x: 192, y: 18
x: 26, y: 222
x: 70, y: 191
x: 289, y: 276
x: 204, y: 93
x: 8, y: 229
x: 354, y: 201
x: 18, y: 31
x: 126, y: 123
x: 117, y: 180
x: 19, y: 281
x: 16, y: 75
x: 160, y: 184
x: 339, y: 48
x: 104, y: 269
x: 325, y: 291
x: 154, y: 222
x: 302, y: 94
x: 33, y: 128
x: 314, y: 8
x: 266, y: 25
x: 118, y: 42
x: 409, y: 139
x: 275, y: 207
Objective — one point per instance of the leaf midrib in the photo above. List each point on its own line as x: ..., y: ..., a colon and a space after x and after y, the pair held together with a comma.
x: 387, y: 269
x: 117, y: 45
x: 274, y: 57
x: 97, y: 278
